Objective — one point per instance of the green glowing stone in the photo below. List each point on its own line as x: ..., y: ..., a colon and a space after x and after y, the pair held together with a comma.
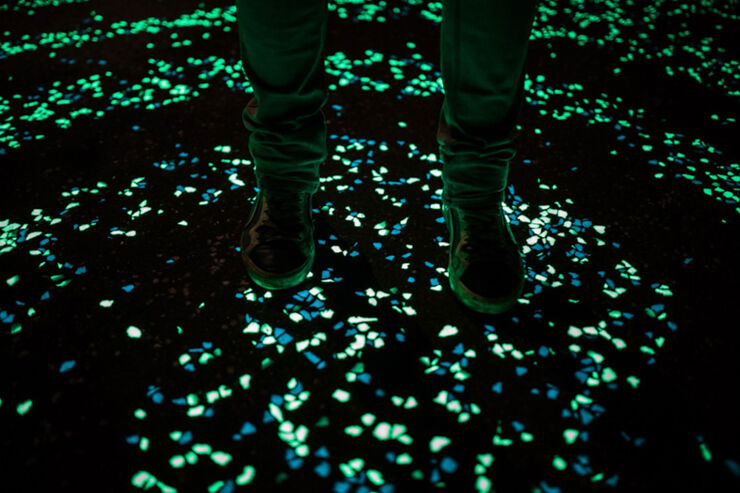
x: 608, y: 375
x: 375, y: 476
x: 368, y: 419
x: 454, y: 406
x: 485, y: 459
x: 202, y: 448
x: 583, y: 399
x: 12, y: 280
x: 286, y: 427
x: 574, y: 331
x: 504, y: 442
x: 246, y: 476
x: 382, y: 431
x: 133, y: 332
x: 483, y: 484
x: 143, y: 479
x: 177, y: 461
x: 346, y: 470
x: 448, y: 331
x: 437, y: 443
x: 647, y: 350
x: 221, y: 458
x: 301, y: 433
x: 140, y: 413
x: 341, y: 395
x: 397, y: 430
x: 598, y: 358
x: 224, y: 391
x: 276, y: 412
x: 404, y: 459
x: 302, y: 450
x: 441, y: 397
x: 558, y: 463
x: 356, y: 464
x: 196, y: 411
x: 23, y: 407
x: 570, y: 435
x: 106, y: 303
x: 302, y: 345
x: 619, y: 343
x: 705, y: 453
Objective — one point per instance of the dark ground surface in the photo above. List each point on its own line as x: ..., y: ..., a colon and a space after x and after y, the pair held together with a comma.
x: 89, y: 404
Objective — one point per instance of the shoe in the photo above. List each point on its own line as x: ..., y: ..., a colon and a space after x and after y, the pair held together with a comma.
x: 277, y: 244
x: 485, y: 268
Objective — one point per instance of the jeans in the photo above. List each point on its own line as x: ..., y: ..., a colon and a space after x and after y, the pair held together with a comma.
x: 483, y: 46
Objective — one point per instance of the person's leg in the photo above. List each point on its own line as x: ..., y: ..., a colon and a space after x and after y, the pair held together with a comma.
x: 483, y: 49
x: 281, y: 44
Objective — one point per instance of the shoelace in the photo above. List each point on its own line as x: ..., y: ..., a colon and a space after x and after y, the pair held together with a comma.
x: 486, y: 233
x: 285, y: 218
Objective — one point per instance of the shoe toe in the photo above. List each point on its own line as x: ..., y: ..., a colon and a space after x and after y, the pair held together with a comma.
x: 279, y: 256
x: 491, y: 280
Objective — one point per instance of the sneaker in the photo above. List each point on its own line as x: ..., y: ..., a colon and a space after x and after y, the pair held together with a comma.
x: 485, y: 268
x: 277, y: 244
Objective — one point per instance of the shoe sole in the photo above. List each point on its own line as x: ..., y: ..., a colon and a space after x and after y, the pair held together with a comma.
x: 272, y: 280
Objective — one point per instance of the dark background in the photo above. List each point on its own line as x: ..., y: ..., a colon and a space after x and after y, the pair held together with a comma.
x: 74, y: 436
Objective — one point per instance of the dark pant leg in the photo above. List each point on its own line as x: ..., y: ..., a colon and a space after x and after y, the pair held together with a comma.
x: 483, y: 50
x: 282, y: 50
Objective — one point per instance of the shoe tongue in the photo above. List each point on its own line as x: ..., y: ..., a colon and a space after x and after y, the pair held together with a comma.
x: 486, y: 211
x: 285, y: 209
x: 484, y: 224
x: 282, y: 197
x: 281, y: 191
